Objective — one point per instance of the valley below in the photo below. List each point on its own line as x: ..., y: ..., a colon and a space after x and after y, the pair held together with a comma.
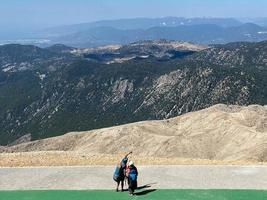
x: 170, y: 102
x: 48, y: 92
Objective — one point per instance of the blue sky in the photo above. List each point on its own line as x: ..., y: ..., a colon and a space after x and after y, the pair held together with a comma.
x: 35, y: 14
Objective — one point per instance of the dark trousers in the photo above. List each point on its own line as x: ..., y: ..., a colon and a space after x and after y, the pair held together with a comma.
x: 132, y: 186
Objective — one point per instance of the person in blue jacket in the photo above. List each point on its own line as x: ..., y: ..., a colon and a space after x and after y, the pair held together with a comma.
x: 120, y: 172
x: 132, y: 174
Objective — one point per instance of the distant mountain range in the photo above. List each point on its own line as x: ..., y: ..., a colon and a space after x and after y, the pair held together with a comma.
x: 203, y: 34
x: 259, y: 21
x: 51, y: 91
x: 125, y: 31
x: 140, y: 23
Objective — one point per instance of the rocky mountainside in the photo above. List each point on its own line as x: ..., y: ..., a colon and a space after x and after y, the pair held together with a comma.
x: 231, y: 133
x: 236, y: 54
x: 46, y: 93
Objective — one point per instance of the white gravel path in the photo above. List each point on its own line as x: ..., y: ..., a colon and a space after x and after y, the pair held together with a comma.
x: 164, y: 177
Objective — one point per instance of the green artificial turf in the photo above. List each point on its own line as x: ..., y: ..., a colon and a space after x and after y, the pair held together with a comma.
x: 146, y: 194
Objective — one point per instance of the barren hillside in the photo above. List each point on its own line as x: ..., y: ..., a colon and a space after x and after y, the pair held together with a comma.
x: 221, y: 132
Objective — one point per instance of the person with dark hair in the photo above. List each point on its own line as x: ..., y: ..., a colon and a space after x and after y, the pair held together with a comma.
x: 132, y: 174
x: 119, y: 173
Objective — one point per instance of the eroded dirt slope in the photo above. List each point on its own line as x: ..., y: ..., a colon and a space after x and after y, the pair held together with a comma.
x: 229, y: 133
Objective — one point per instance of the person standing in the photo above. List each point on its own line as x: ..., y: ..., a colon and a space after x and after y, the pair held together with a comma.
x: 120, y: 172
x: 132, y: 174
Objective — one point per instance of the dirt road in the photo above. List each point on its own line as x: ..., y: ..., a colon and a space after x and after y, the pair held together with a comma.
x: 164, y: 177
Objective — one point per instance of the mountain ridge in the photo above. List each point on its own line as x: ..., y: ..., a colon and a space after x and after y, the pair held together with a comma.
x: 144, y: 23
x: 200, y: 33
x: 220, y: 132
x: 39, y: 96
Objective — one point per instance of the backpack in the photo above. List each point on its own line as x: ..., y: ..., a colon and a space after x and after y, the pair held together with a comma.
x: 118, y: 171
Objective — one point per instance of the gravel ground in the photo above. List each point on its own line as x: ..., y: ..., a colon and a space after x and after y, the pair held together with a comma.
x: 163, y: 177
x: 71, y: 158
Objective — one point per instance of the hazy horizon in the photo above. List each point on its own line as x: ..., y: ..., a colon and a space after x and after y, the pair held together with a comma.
x: 41, y: 14
x: 18, y: 17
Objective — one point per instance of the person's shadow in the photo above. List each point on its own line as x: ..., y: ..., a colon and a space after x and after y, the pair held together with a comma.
x: 145, y: 192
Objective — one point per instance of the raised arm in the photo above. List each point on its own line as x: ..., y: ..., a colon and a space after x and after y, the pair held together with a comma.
x: 126, y: 156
